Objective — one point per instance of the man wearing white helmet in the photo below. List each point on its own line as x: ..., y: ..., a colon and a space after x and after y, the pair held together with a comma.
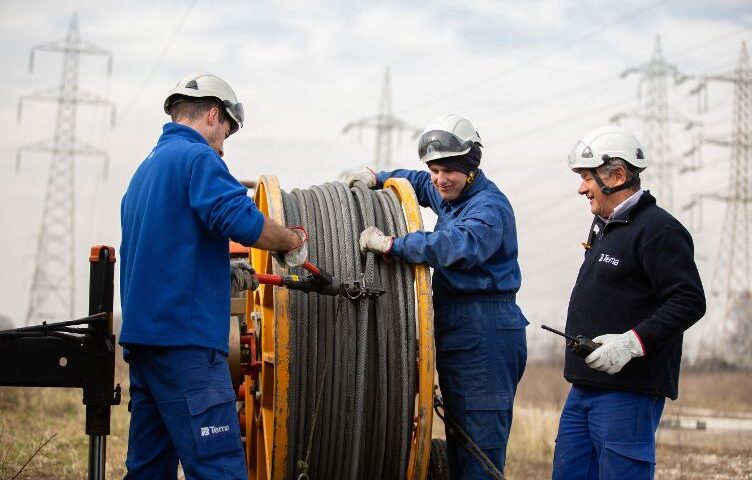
x: 479, y: 329
x: 180, y: 210
x: 637, y: 291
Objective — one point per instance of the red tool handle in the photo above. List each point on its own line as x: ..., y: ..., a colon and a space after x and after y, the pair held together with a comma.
x: 312, y: 268
x: 267, y: 279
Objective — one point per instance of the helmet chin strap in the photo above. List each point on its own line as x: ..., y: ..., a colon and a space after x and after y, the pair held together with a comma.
x: 611, y: 190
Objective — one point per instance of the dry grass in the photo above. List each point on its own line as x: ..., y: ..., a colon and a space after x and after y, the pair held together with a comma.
x: 28, y: 417
x: 31, y: 416
x: 681, y: 454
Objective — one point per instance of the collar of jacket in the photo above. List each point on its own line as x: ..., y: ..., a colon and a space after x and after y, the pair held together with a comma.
x: 646, y: 199
x: 470, y: 191
x: 184, y: 131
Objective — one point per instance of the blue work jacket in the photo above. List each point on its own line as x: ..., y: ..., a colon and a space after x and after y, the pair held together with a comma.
x: 181, y: 207
x: 473, y: 248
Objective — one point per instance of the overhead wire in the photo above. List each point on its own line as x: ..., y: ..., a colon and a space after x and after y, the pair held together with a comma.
x: 160, y: 58
x: 535, y: 59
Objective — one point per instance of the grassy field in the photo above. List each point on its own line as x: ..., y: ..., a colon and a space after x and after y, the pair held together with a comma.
x: 681, y: 453
x: 31, y: 417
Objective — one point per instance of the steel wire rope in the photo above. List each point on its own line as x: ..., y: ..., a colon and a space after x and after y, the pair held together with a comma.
x: 388, y: 203
x: 296, y: 391
x: 306, y: 197
x: 368, y: 218
x: 324, y: 353
x: 390, y: 408
x: 351, y: 396
x: 353, y: 349
x: 338, y: 403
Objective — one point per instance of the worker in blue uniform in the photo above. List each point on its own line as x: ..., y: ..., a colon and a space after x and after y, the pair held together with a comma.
x: 479, y: 329
x: 637, y: 291
x: 180, y: 210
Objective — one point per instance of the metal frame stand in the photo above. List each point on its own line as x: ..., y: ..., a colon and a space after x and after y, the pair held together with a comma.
x: 74, y: 354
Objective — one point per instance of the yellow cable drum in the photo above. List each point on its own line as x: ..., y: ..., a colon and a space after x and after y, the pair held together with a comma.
x: 338, y: 387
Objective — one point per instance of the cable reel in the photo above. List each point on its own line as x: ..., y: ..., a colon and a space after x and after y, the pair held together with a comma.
x: 345, y: 383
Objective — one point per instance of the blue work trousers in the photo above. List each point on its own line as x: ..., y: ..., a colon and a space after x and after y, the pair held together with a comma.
x: 607, y: 434
x: 481, y: 355
x: 182, y: 408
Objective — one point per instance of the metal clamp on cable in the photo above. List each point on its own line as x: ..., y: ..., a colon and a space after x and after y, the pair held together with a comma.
x: 357, y: 289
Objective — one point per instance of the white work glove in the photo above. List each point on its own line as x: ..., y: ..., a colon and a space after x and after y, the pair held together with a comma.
x: 366, y: 176
x: 372, y: 239
x: 615, y: 351
x: 297, y: 256
x: 242, y: 277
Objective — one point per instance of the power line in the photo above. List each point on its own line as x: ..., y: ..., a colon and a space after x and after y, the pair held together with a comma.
x: 535, y: 59
x: 147, y: 79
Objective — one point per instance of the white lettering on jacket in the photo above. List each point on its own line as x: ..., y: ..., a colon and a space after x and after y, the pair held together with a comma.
x: 211, y: 430
x: 608, y: 259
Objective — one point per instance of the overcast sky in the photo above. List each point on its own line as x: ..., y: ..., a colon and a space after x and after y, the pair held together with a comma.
x: 532, y: 76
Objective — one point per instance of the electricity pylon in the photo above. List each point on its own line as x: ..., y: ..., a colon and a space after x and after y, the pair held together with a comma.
x: 384, y: 123
x: 732, y: 276
x: 654, y: 114
x: 53, y: 288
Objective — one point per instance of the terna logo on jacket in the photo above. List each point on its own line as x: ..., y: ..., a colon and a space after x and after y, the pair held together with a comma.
x: 608, y: 259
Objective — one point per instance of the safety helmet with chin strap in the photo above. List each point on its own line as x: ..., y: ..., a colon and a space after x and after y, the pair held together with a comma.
x: 603, y: 144
x: 199, y: 85
x: 447, y: 136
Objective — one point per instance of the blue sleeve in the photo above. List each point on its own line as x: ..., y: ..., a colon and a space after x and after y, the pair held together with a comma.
x: 221, y: 202
x: 421, y: 182
x: 467, y: 243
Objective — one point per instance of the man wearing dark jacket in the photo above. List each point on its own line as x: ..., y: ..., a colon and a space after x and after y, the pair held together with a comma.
x: 637, y: 291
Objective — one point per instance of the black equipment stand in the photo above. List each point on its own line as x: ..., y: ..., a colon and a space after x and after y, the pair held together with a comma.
x: 75, y: 354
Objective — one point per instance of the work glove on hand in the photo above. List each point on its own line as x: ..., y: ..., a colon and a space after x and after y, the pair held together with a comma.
x: 296, y: 256
x: 615, y: 351
x: 366, y: 176
x: 242, y: 277
x: 372, y: 239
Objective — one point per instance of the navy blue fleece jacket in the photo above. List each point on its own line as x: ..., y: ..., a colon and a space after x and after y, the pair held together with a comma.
x: 640, y: 274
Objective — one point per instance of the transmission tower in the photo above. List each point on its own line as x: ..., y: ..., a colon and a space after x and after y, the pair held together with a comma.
x: 732, y: 285
x: 384, y: 123
x: 53, y: 288
x: 654, y: 114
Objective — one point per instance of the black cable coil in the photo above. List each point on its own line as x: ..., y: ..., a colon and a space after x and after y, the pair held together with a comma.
x: 353, y: 368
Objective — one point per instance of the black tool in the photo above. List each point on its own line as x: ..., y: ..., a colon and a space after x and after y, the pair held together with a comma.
x: 321, y: 282
x: 75, y: 354
x: 579, y: 345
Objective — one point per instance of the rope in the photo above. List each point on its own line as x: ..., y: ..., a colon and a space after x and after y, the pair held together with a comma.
x: 351, y: 397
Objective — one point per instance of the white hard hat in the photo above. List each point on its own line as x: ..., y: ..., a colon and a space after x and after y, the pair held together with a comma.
x: 200, y: 85
x: 447, y: 136
x: 604, y: 143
